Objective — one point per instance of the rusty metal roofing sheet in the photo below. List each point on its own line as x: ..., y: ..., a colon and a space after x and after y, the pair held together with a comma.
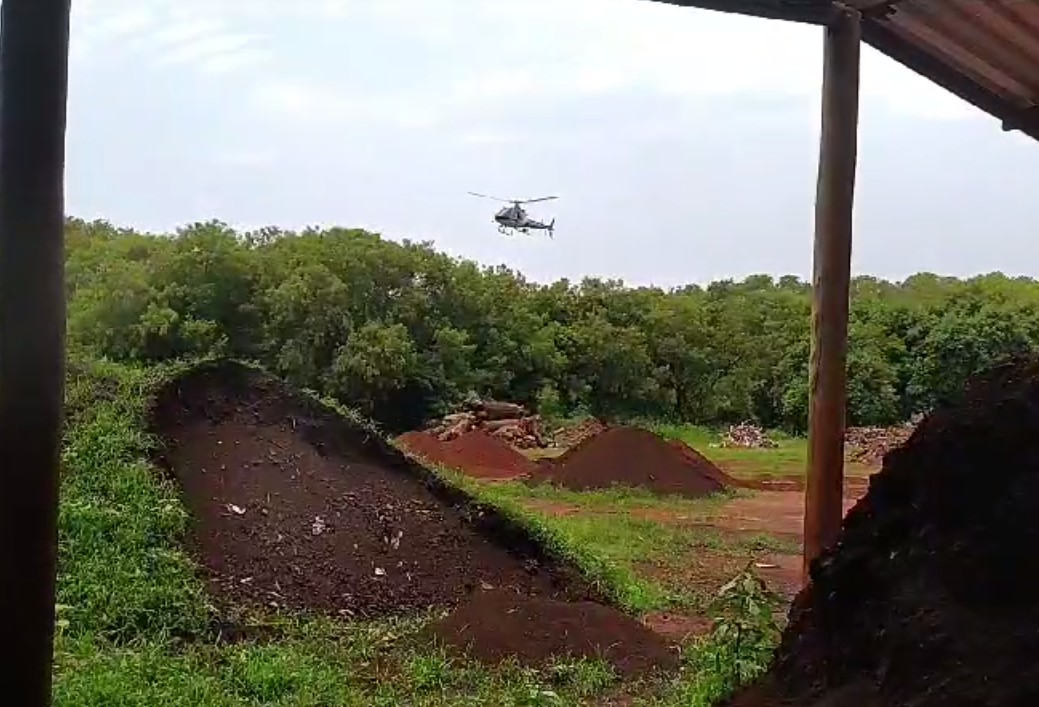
x: 985, y: 51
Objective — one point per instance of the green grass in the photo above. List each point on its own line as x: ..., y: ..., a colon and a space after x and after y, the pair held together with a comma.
x: 360, y: 665
x: 134, y: 619
x: 608, y: 573
x: 123, y: 576
x: 617, y: 498
x: 629, y: 529
x: 788, y: 459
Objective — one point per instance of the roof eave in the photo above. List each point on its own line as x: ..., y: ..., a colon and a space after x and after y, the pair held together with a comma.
x: 925, y: 64
x: 766, y: 9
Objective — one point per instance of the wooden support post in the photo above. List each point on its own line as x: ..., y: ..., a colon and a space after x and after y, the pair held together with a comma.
x: 34, y: 44
x: 831, y: 285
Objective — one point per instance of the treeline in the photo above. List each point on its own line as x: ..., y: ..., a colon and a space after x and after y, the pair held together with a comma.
x: 404, y: 332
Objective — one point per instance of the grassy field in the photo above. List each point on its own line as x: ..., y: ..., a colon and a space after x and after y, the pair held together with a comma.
x: 653, y: 544
x: 135, y: 626
x: 786, y: 460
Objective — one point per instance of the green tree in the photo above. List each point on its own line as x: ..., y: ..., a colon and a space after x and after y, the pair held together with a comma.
x: 405, y: 332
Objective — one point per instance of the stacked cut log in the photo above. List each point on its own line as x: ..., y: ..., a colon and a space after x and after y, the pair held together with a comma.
x: 747, y: 436
x: 868, y: 445
x: 507, y: 421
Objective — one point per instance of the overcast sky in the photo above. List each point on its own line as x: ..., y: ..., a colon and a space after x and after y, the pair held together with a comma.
x: 683, y: 143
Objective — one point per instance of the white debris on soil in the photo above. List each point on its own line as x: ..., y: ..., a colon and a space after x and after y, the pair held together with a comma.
x: 318, y: 526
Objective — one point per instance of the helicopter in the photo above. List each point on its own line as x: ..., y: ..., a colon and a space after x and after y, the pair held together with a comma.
x: 514, y: 218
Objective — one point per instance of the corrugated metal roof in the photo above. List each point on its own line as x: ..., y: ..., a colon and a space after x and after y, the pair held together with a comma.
x: 985, y: 51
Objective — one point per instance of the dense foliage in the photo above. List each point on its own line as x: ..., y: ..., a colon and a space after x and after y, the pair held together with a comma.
x: 402, y: 331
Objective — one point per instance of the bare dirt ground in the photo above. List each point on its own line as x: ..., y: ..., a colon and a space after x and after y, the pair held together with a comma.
x: 779, y: 513
x: 763, y: 528
x: 685, y: 545
x: 774, y: 514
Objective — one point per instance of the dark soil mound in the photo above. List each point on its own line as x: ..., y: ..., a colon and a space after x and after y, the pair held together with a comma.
x: 475, y: 453
x: 629, y: 456
x: 297, y: 507
x: 930, y: 598
x: 493, y: 627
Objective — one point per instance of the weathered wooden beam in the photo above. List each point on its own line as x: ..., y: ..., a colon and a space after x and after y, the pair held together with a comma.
x: 34, y: 40
x: 831, y: 279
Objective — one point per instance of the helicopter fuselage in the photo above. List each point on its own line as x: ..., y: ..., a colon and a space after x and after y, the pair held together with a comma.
x: 515, y: 218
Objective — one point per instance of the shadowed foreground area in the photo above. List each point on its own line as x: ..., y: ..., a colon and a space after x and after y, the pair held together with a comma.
x: 927, y: 600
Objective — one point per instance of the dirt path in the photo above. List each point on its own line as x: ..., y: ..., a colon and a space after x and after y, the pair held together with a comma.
x: 778, y: 514
x: 775, y: 512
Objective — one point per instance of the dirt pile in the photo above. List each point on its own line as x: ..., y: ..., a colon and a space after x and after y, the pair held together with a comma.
x: 295, y: 507
x: 747, y: 436
x: 929, y: 599
x: 706, y: 467
x: 475, y: 453
x: 629, y: 456
x: 494, y: 626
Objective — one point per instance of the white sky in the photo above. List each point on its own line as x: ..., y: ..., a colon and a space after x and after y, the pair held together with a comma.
x: 683, y: 142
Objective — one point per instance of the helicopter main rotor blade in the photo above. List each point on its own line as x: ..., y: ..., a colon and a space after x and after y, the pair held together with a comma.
x: 532, y: 201
x: 495, y: 198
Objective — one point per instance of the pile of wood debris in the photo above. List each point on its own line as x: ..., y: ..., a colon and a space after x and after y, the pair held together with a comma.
x: 573, y: 435
x: 507, y: 421
x: 868, y: 445
x: 747, y: 436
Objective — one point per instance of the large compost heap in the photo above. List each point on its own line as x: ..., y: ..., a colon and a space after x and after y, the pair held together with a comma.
x: 298, y: 508
x: 930, y: 598
x: 630, y: 456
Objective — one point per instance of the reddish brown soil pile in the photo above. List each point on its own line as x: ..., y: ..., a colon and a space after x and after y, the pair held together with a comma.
x: 497, y: 626
x: 707, y: 467
x: 475, y: 453
x: 629, y: 456
x: 930, y: 597
x: 297, y: 508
